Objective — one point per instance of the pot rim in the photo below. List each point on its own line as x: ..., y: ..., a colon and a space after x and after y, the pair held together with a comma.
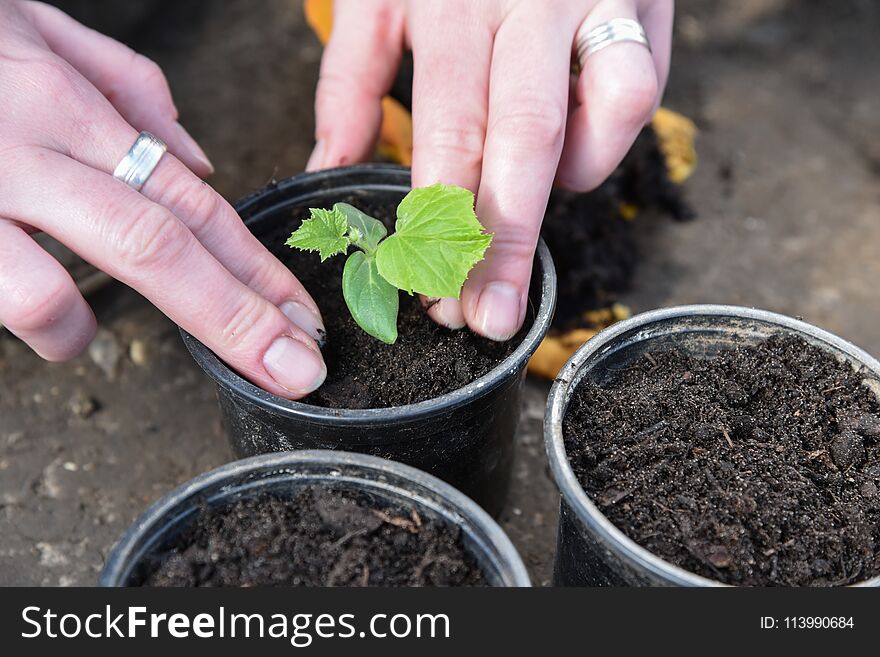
x: 572, y: 492
x: 233, y: 382
x: 117, y: 564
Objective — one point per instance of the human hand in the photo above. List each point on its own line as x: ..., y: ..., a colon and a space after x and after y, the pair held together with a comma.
x: 494, y: 110
x: 70, y: 99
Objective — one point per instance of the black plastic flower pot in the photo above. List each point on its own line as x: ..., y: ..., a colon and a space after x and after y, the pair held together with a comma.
x: 282, y: 475
x: 464, y: 437
x: 590, y: 549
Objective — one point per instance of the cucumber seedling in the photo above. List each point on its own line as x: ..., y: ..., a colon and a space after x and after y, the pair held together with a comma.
x: 437, y: 240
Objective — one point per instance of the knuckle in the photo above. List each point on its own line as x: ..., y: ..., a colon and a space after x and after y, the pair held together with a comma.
x: 535, y: 122
x: 245, y: 322
x: 334, y: 87
x: 193, y: 199
x: 52, y: 76
x: 150, y: 240
x: 149, y: 71
x: 513, y: 240
x: 153, y: 77
x: 632, y: 99
x: 461, y: 139
x: 56, y: 84
x: 33, y: 309
x: 265, y: 275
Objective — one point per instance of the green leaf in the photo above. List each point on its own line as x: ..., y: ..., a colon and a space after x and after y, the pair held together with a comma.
x: 436, y: 243
x: 323, y: 232
x: 369, y: 231
x: 372, y: 301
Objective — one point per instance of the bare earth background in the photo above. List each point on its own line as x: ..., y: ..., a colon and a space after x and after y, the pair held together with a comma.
x: 787, y: 97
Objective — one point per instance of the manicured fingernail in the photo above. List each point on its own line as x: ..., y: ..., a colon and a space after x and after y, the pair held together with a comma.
x: 193, y: 149
x: 294, y: 366
x: 316, y: 159
x: 446, y: 312
x: 498, y: 315
x: 307, y: 320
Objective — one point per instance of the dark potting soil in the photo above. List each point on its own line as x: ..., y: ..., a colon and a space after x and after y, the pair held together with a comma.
x: 319, y: 538
x: 757, y: 467
x: 362, y: 372
x: 593, y: 247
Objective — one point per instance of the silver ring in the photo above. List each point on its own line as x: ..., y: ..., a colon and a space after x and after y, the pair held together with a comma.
x: 617, y: 30
x: 140, y: 161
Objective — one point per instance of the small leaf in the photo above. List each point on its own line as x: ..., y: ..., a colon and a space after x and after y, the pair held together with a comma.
x: 323, y: 232
x: 371, y: 231
x: 436, y: 243
x: 372, y: 301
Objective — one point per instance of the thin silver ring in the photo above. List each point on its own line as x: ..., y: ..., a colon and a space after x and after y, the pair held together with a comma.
x: 617, y: 30
x: 141, y: 160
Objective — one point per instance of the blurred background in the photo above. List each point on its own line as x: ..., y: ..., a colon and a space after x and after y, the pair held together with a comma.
x: 786, y: 97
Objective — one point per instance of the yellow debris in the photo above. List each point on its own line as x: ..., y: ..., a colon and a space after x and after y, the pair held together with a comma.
x: 676, y: 135
x: 395, y: 137
x: 628, y: 211
x: 319, y: 16
x: 555, y: 350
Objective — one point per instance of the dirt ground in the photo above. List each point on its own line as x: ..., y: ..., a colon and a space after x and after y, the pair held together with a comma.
x: 787, y: 98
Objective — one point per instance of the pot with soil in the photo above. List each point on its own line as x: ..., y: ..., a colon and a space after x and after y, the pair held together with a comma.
x: 710, y: 445
x: 314, y: 518
x: 444, y: 401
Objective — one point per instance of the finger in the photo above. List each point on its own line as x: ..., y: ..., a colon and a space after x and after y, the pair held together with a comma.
x: 357, y: 70
x: 144, y: 245
x: 615, y: 96
x: 39, y: 301
x: 133, y: 83
x: 101, y: 141
x: 448, y: 134
x: 527, y: 106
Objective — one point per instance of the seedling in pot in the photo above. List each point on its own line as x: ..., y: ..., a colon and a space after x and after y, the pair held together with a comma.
x: 437, y: 241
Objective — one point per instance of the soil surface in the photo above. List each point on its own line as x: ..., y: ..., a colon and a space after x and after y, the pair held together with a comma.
x: 427, y: 360
x: 319, y: 538
x: 757, y: 467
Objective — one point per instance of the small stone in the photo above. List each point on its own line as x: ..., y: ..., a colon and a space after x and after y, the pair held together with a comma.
x: 847, y: 449
x: 867, y: 425
x: 718, y: 556
x: 705, y: 433
x: 138, y: 352
x: 82, y: 405
x: 868, y: 489
x: 70, y: 466
x: 105, y: 352
x: 734, y: 394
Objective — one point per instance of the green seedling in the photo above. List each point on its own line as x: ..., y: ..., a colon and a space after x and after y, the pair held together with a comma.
x: 437, y: 240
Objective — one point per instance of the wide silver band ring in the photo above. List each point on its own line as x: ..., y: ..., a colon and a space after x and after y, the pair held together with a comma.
x: 617, y: 30
x: 141, y: 160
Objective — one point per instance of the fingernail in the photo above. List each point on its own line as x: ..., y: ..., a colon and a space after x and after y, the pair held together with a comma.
x: 316, y: 159
x: 193, y: 149
x: 498, y: 311
x: 294, y: 366
x: 306, y: 319
x: 447, y: 312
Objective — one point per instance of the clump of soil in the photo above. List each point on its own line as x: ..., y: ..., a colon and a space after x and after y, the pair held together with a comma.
x: 319, y: 538
x: 757, y: 467
x: 427, y: 360
x: 593, y: 246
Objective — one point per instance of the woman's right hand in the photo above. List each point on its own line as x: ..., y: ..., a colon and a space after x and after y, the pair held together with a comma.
x: 74, y: 102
